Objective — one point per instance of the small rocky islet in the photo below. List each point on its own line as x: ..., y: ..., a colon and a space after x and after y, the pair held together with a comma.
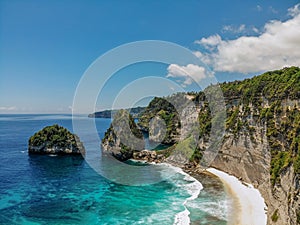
x: 57, y: 140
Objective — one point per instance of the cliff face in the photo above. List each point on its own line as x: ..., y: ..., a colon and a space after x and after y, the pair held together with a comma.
x: 123, y: 137
x: 262, y: 140
x: 251, y: 163
x: 55, y: 140
x: 170, y: 110
x: 261, y: 144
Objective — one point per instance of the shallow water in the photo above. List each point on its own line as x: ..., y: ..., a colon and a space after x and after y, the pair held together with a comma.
x: 66, y: 190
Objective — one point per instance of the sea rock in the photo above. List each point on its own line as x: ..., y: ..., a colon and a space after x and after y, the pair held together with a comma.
x: 55, y: 139
x: 123, y: 137
x: 149, y: 156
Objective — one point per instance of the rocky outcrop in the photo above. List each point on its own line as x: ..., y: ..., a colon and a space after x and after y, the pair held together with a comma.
x: 169, y: 110
x: 149, y: 156
x: 251, y: 163
x: 122, y: 137
x: 55, y: 139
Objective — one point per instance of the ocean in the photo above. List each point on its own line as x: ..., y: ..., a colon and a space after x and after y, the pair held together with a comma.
x: 36, y: 189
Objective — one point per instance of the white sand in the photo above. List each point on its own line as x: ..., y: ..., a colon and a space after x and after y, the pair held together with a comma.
x: 249, y: 205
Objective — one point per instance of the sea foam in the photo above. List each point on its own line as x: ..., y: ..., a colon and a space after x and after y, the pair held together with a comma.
x: 192, y: 186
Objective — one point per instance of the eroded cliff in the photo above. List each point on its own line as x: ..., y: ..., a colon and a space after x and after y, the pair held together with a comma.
x: 260, y: 143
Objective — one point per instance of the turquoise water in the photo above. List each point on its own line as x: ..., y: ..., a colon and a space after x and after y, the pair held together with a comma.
x: 66, y: 190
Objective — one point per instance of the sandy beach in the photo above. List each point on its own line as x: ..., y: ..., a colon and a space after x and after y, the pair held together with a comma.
x: 248, y: 204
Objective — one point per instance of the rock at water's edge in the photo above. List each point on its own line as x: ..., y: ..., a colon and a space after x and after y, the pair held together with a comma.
x: 55, y: 139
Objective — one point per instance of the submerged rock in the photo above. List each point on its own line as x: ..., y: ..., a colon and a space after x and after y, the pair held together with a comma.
x: 55, y: 139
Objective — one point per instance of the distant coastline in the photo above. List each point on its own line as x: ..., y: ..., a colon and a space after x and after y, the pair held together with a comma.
x: 135, y: 112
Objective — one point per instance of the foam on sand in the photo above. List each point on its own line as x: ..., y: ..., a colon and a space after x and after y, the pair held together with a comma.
x: 249, y: 203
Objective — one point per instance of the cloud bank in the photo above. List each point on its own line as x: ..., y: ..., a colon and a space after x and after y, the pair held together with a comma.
x: 276, y: 47
x: 188, y: 73
x: 9, y: 108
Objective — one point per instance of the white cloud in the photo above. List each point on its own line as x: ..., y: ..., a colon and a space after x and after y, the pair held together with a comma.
x: 205, y: 58
x: 10, y: 108
x: 294, y: 11
x: 188, y: 73
x: 277, y: 46
x: 234, y: 29
x: 255, y: 30
x: 210, y: 41
x: 240, y: 29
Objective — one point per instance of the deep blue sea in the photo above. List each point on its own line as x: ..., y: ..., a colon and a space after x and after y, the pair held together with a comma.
x: 66, y: 190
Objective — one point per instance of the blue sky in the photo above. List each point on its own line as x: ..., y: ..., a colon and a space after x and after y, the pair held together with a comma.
x: 46, y: 46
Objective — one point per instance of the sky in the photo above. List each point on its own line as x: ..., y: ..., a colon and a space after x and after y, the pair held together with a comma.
x: 47, y: 46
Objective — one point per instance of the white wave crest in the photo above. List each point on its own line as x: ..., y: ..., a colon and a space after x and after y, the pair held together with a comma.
x: 191, y: 185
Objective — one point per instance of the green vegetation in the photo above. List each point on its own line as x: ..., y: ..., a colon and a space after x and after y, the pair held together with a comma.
x: 186, y: 147
x: 297, y: 163
x: 279, y: 162
x: 166, y: 108
x: 205, y: 120
x: 51, y: 136
x: 273, y: 85
x: 275, y: 216
x: 197, y: 155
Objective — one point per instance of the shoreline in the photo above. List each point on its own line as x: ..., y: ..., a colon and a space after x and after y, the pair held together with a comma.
x: 248, y: 205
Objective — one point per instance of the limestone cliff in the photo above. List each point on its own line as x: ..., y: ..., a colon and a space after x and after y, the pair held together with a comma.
x: 251, y: 163
x: 123, y: 137
x: 261, y: 144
